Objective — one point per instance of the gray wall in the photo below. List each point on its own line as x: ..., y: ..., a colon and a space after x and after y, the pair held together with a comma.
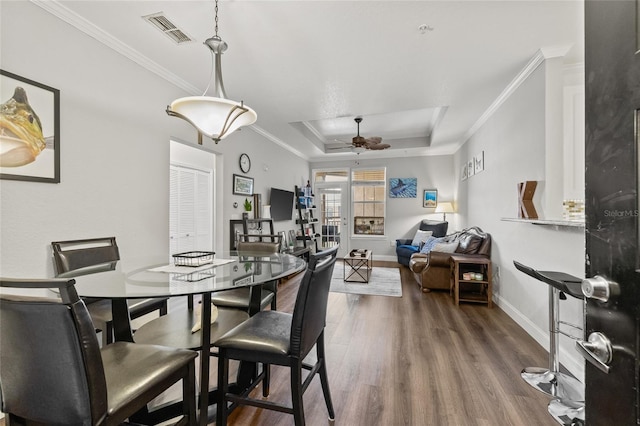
x: 514, y: 151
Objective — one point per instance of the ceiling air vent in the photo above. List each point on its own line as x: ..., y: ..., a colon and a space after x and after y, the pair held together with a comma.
x: 161, y: 22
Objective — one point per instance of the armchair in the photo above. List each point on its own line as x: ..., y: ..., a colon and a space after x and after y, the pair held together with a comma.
x: 404, y: 248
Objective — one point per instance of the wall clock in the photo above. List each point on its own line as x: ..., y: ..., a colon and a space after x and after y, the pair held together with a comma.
x: 245, y: 163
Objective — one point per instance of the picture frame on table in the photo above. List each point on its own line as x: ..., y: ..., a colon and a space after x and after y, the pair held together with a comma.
x: 30, y: 142
x: 430, y: 199
x: 242, y: 185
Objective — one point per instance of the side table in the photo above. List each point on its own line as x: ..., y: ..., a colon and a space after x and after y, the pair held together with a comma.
x: 360, y: 264
x: 477, y: 291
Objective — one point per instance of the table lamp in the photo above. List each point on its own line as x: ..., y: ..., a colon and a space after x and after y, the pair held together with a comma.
x: 444, y: 208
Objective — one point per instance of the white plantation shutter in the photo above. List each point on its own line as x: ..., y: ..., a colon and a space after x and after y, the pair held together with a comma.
x: 190, y: 210
x: 203, y: 202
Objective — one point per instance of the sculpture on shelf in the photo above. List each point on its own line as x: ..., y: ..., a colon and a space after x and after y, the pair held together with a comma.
x: 526, y: 209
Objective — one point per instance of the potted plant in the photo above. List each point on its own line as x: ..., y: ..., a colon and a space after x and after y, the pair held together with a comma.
x: 247, y: 207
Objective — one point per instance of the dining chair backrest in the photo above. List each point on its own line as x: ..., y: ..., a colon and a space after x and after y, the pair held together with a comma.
x: 75, y: 254
x: 310, y: 309
x: 266, y: 247
x: 51, y: 369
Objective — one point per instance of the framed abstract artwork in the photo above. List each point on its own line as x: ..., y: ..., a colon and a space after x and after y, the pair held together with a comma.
x: 29, y: 130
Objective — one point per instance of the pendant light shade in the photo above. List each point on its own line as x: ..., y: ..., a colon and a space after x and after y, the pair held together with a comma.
x: 213, y: 116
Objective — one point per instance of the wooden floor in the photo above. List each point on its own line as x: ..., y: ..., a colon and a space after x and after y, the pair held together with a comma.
x: 415, y: 360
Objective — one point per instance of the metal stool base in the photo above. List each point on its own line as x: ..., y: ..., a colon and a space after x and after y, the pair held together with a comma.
x: 567, y: 389
x: 565, y: 414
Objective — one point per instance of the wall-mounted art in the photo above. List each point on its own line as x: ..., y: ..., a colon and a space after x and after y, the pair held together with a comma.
x: 29, y: 130
x: 403, y: 187
x: 242, y: 185
x: 430, y: 198
x: 464, y: 172
x: 478, y: 163
x: 470, y: 168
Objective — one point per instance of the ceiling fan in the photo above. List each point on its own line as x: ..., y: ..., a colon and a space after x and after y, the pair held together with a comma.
x: 359, y: 143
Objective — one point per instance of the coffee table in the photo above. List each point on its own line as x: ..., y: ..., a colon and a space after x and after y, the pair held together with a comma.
x: 360, y: 264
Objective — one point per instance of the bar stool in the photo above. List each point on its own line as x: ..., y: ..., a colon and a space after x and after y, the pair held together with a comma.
x: 568, y: 392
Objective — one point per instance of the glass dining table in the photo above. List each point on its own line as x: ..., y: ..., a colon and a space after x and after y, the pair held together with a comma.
x: 148, y: 278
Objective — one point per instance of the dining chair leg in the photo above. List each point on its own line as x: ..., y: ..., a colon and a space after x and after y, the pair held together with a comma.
x: 296, y: 392
x: 107, y: 334
x: 324, y: 378
x: 266, y: 380
x: 189, y: 395
x: 223, y: 387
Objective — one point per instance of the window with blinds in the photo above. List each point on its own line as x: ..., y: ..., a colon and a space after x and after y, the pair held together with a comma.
x: 368, y: 189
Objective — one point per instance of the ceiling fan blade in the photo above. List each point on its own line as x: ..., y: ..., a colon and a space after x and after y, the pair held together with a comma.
x: 374, y: 140
x: 379, y: 146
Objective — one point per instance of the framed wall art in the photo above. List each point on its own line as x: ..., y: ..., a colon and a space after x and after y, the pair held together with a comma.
x: 403, y: 187
x: 430, y: 198
x: 242, y: 185
x: 29, y: 130
x: 478, y: 163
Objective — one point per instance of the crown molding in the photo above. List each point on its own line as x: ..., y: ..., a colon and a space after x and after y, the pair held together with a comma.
x: 65, y: 14
x: 279, y: 142
x: 541, y: 55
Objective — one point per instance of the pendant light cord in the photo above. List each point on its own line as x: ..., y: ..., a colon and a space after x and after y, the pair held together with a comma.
x: 211, y: 52
x: 216, y: 18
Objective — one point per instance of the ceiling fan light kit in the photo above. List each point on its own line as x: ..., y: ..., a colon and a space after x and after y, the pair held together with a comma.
x: 213, y: 116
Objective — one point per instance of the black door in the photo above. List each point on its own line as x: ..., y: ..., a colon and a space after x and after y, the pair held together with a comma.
x: 612, y: 80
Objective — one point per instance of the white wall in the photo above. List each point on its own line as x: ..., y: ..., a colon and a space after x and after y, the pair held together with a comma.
x: 404, y: 214
x: 513, y: 141
x: 114, y: 149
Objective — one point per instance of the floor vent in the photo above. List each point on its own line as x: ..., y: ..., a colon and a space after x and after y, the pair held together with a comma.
x: 161, y: 22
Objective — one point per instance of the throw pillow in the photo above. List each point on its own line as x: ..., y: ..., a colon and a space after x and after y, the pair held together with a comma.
x: 420, y: 237
x: 446, y: 247
x: 469, y: 243
x: 429, y: 244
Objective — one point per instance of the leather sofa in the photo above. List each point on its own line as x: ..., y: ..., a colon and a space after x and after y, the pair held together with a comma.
x: 432, y: 270
x: 404, y: 249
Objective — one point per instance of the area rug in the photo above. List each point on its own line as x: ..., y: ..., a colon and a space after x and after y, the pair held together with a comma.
x: 383, y: 282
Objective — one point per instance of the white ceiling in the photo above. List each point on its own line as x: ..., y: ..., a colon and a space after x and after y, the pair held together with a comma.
x: 309, y: 67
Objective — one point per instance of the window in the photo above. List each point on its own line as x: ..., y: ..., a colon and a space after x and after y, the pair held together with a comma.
x: 368, y: 189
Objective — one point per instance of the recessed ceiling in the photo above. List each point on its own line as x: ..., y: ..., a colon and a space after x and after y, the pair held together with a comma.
x: 309, y: 67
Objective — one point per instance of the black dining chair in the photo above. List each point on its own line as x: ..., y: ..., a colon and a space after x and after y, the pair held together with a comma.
x: 52, y: 370
x: 272, y: 337
x: 239, y: 298
x: 72, y: 255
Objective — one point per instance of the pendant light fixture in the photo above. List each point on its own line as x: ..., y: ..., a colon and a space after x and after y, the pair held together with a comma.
x: 213, y: 116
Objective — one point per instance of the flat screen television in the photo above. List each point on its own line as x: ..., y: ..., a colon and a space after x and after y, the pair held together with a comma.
x: 281, y: 204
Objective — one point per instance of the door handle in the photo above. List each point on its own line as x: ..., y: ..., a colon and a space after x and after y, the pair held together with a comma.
x: 597, y: 350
